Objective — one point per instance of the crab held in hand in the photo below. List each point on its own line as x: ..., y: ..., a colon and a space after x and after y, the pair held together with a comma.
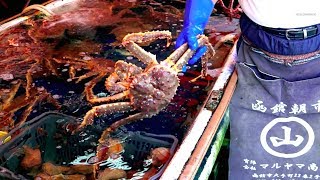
x: 148, y: 90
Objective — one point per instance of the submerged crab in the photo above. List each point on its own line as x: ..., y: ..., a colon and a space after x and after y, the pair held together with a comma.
x: 149, y: 90
x: 90, y: 15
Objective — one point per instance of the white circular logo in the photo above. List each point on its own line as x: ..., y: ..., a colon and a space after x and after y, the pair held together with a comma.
x: 286, y: 141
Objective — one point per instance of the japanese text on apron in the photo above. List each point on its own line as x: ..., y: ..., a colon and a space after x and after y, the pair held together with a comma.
x: 275, y: 124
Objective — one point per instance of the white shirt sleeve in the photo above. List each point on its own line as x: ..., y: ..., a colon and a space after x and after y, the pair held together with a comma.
x: 282, y: 13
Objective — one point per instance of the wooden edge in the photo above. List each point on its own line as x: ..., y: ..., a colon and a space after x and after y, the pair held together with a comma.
x: 199, y: 152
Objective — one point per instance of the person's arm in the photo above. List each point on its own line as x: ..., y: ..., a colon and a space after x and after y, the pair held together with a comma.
x: 196, y: 17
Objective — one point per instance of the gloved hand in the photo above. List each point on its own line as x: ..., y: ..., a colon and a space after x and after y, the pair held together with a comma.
x: 196, y: 16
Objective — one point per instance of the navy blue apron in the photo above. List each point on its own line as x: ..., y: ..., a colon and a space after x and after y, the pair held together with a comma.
x: 275, y: 118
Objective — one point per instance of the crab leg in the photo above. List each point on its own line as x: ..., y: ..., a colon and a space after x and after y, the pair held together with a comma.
x: 119, y: 80
x: 85, y: 76
x: 147, y: 37
x: 115, y: 97
x: 203, y: 40
x: 94, y: 99
x: 140, y: 53
x: 131, y: 41
x: 48, y: 63
x: 230, y: 11
x: 72, y: 69
x: 117, y: 124
x: 113, y: 86
x: 176, y: 55
x: 33, y: 103
x: 206, y: 58
x: 89, y: 89
x: 210, y: 53
x: 35, y: 98
x: 72, y: 73
x: 12, y: 94
x: 104, y: 109
x: 29, y: 80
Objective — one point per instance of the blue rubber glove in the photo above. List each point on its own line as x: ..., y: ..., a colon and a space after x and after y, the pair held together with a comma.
x: 196, y: 17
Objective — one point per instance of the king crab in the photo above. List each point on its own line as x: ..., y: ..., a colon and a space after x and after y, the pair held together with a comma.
x: 150, y: 90
x: 11, y: 103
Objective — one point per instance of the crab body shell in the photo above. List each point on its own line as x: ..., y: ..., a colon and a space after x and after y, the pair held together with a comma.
x: 152, y: 91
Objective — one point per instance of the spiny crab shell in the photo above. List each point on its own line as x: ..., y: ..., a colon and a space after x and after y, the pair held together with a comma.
x: 153, y: 90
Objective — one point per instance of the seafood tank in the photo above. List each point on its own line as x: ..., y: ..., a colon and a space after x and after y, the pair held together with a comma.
x: 95, y: 89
